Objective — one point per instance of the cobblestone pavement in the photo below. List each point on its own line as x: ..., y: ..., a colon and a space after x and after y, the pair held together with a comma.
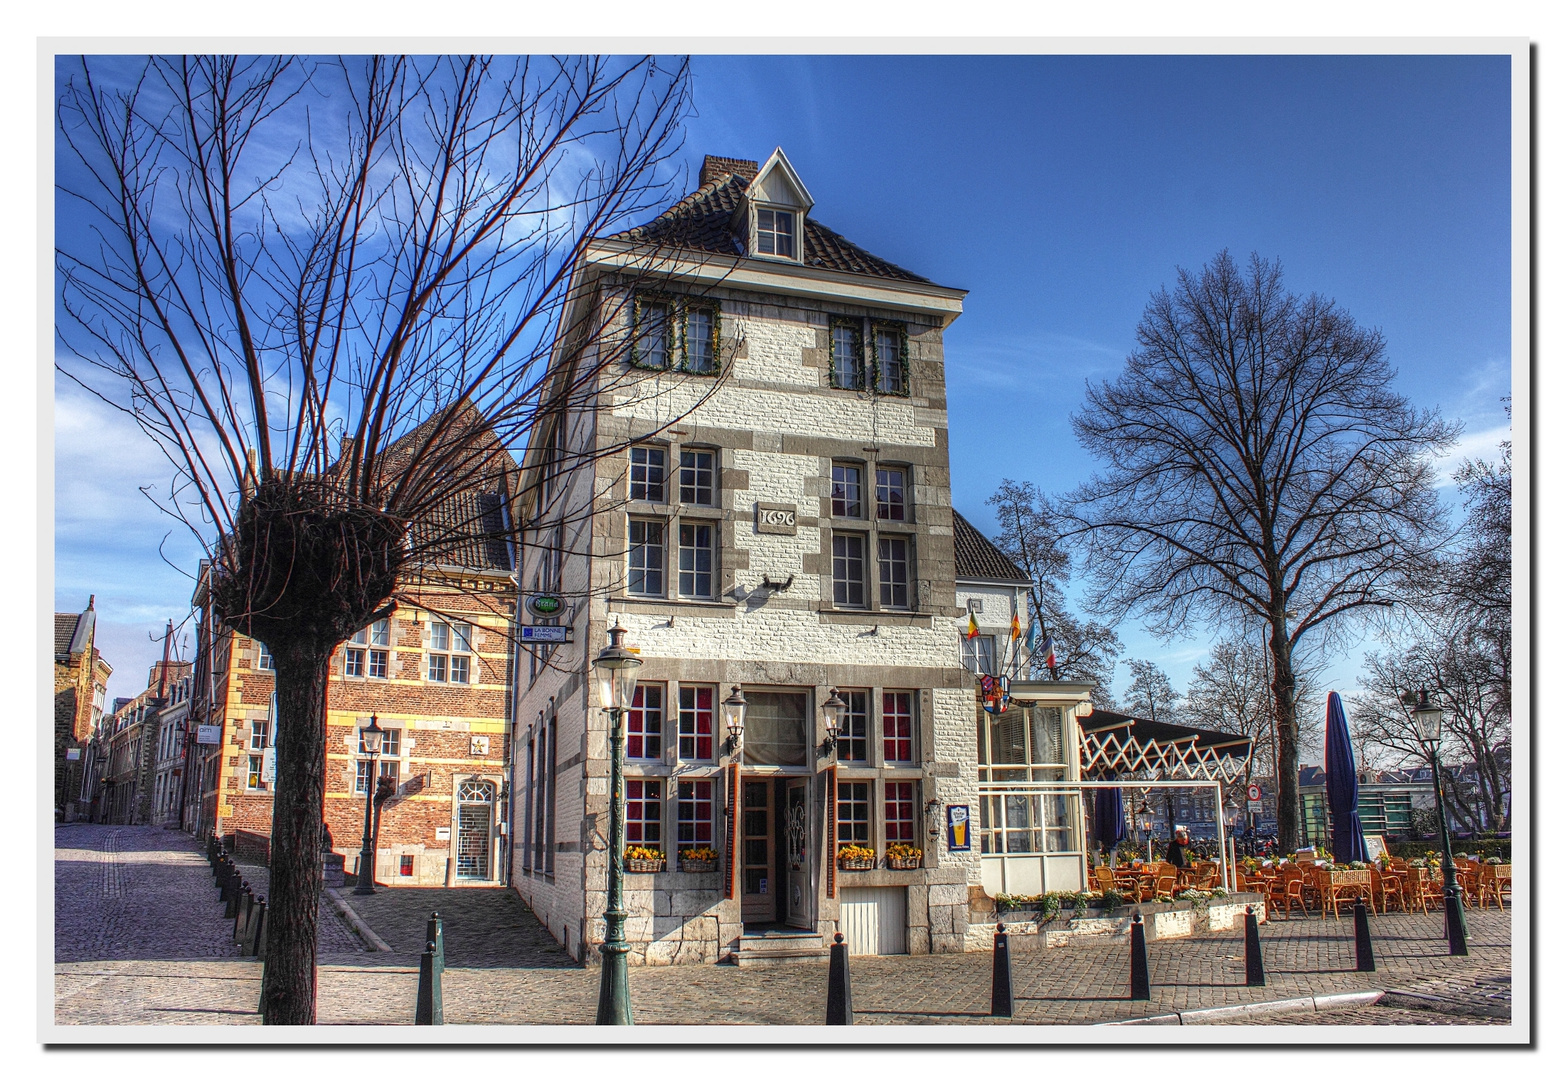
x: 159, y: 957
x: 140, y: 936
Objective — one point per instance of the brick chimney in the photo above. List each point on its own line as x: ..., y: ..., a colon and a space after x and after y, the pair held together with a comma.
x: 715, y: 168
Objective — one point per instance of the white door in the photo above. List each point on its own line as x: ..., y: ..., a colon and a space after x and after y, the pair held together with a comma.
x: 875, y: 921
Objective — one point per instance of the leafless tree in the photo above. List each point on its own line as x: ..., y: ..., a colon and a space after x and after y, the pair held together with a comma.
x: 1030, y: 537
x: 1232, y: 692
x: 328, y: 289
x: 1151, y: 694
x: 1257, y: 466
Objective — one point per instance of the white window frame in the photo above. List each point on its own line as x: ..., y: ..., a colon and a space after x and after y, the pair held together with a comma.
x: 456, y: 651
x: 767, y: 233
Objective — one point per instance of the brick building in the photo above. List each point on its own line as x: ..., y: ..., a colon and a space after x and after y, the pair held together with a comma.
x: 81, y: 679
x: 130, y: 742
x: 785, y: 529
x: 435, y: 673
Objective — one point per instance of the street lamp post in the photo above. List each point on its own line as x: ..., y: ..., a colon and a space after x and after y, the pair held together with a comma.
x: 832, y: 709
x: 1427, y: 722
x: 370, y: 741
x: 615, y: 672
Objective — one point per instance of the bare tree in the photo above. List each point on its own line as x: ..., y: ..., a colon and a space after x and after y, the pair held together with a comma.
x: 1257, y: 465
x: 328, y: 290
x: 1151, y: 694
x: 1030, y: 537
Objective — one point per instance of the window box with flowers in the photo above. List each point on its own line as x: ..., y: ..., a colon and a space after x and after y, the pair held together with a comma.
x: 903, y: 857
x: 644, y: 860
x: 698, y: 860
x: 855, y: 857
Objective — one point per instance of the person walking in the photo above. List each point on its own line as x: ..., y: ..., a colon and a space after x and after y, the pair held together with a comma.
x: 1176, y: 856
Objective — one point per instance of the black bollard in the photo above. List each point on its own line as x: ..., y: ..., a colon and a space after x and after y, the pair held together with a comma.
x: 231, y: 901
x: 428, y: 1010
x: 1456, y: 940
x: 242, y: 911
x: 1364, y: 957
x: 1141, y: 985
x: 433, y: 932
x: 1254, y: 975
x: 261, y: 927
x: 1000, y: 977
x: 840, y: 1004
x: 252, y: 943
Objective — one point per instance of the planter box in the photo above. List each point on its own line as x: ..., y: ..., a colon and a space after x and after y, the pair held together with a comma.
x: 698, y: 866
x: 855, y: 864
x: 904, y: 864
x: 645, y: 866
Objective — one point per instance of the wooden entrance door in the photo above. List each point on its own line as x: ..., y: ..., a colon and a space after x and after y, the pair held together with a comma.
x: 759, y: 887
x: 795, y: 829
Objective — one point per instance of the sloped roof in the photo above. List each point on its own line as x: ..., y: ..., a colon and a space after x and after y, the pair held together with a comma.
x: 704, y: 221
x: 64, y: 630
x: 978, y: 559
x: 1145, y: 730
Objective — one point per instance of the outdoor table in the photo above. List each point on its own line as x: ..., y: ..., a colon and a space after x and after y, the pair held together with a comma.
x: 1336, y: 885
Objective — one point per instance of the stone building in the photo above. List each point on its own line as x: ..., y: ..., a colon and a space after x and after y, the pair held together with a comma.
x: 130, y: 740
x: 757, y: 489
x: 168, y: 755
x: 436, y: 675
x: 81, y: 679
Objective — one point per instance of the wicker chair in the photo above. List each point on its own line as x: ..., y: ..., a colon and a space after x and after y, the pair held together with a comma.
x: 1164, y: 882
x: 1292, y: 884
x: 1386, y: 887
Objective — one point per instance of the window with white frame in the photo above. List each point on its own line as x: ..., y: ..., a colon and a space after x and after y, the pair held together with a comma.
x: 848, y: 569
x: 902, y: 803
x: 853, y: 813
x: 696, y: 559
x: 653, y: 343
x: 693, y: 814
x: 645, y: 576
x: 698, y: 485
x: 847, y: 490
x: 258, y: 735
x: 450, y: 651
x: 701, y: 340
x: 644, y: 722
x: 775, y: 231
x: 644, y: 813
x: 893, y: 551
x: 695, y: 723
x: 848, y: 355
x: 264, y: 659
x: 647, y: 473
x: 852, y: 744
x: 978, y: 653
x: 897, y: 722
x: 367, y: 653
x: 891, y: 368
x: 253, y: 773
x: 891, y: 493
x: 390, y: 769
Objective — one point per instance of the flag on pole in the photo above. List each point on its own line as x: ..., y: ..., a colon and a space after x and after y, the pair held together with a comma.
x: 1016, y: 622
x: 1035, y: 632
x: 1049, y: 652
x: 973, y: 627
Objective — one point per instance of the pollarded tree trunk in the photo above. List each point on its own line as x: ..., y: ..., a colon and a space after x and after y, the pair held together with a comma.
x: 289, y: 982
x: 1287, y: 732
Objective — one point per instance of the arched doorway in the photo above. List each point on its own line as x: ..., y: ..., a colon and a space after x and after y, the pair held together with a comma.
x: 475, y: 827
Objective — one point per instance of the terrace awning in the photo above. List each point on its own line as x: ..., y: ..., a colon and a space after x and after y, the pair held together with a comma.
x: 1116, y: 746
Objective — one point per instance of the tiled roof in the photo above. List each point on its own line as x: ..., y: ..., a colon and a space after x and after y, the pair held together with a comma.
x: 977, y: 558
x: 64, y: 630
x: 704, y: 221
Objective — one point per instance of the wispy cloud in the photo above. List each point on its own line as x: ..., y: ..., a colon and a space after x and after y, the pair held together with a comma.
x: 1020, y: 363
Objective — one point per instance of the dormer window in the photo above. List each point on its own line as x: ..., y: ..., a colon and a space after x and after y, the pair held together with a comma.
x: 775, y: 233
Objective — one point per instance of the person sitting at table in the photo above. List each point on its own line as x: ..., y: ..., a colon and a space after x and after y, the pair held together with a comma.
x: 1176, y: 856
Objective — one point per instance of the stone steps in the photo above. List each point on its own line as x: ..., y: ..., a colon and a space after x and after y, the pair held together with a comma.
x: 777, y: 949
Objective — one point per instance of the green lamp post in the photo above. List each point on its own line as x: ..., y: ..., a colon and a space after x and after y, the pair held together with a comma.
x: 614, y: 671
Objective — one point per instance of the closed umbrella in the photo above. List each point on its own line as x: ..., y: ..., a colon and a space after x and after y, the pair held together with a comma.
x: 1348, y: 837
x: 1109, y: 818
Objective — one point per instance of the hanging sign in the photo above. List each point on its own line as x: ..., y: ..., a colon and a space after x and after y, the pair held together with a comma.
x: 269, y: 765
x: 958, y: 836
x: 73, y: 753
x: 544, y: 605
x: 546, y: 633
x: 209, y: 734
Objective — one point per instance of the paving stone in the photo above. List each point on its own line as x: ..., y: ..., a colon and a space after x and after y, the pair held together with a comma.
x: 158, y: 951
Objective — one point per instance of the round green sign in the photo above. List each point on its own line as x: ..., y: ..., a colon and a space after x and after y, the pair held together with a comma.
x: 545, y: 606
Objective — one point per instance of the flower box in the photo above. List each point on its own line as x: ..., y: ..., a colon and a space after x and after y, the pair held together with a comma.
x: 844, y: 862
x: 645, y: 866
x: 698, y: 866
x: 906, y: 862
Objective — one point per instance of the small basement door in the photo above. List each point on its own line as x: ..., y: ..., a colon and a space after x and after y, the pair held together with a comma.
x: 875, y: 920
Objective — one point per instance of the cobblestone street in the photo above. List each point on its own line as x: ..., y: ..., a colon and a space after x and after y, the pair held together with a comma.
x: 141, y: 940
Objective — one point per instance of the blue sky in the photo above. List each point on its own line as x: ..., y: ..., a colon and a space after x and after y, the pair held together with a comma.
x: 1061, y: 191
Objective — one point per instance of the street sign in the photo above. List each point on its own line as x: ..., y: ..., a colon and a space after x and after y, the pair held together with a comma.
x: 546, y: 633
x: 544, y: 606
x: 73, y: 753
x: 269, y: 765
x: 1253, y: 793
x: 210, y: 734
